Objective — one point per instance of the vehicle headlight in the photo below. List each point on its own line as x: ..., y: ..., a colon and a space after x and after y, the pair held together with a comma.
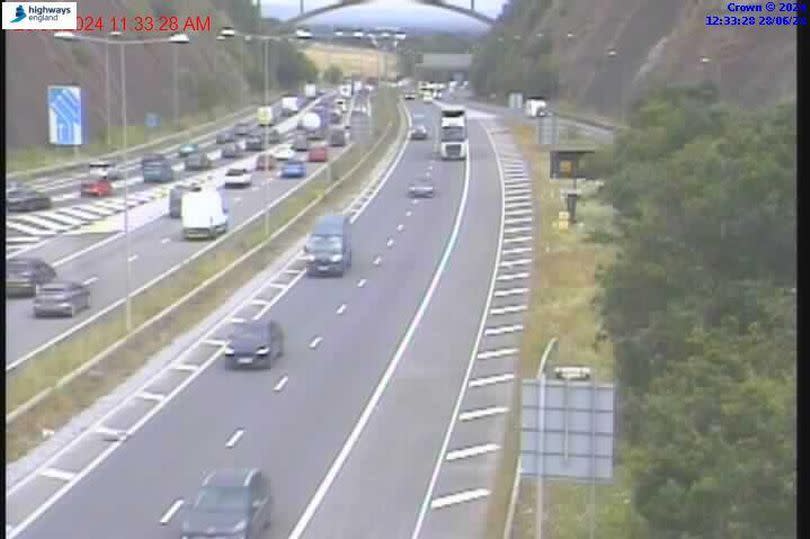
x: 262, y: 351
x: 336, y: 258
x: 228, y: 351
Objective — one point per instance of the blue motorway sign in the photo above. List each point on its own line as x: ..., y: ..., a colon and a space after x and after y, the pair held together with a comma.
x: 65, y: 115
x: 152, y: 120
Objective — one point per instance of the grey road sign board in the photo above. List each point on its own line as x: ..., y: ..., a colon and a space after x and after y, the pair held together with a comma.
x: 567, y: 430
x: 152, y: 120
x: 65, y: 115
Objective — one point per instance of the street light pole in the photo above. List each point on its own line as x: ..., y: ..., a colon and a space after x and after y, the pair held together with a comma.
x: 175, y: 101
x: 265, y: 141
x: 107, y: 90
x: 128, y: 280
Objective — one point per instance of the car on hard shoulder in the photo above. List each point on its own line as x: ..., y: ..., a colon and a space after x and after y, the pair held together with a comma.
x: 255, y: 343
x: 231, y: 503
x: 61, y: 298
x: 96, y: 187
x: 25, y: 274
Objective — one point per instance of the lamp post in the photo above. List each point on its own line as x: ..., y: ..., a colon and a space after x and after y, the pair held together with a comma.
x: 611, y: 54
x: 175, y: 39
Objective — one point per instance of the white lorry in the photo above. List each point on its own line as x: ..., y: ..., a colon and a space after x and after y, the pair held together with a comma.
x: 264, y: 116
x: 453, y: 133
x: 290, y: 105
x: 313, y: 126
x: 535, y: 107
x: 310, y: 91
x: 204, y: 214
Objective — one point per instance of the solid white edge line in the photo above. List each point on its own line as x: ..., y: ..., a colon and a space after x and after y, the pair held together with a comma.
x: 489, y: 380
x: 460, y: 497
x: 167, y: 516
x: 473, y: 451
x: 234, y: 439
x: 281, y: 383
x: 337, y: 464
x: 426, y: 503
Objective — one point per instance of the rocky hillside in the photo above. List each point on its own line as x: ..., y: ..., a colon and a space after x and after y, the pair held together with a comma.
x: 654, y: 41
x: 35, y: 60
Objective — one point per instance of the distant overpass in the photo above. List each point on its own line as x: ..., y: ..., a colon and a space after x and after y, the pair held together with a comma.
x: 304, y: 15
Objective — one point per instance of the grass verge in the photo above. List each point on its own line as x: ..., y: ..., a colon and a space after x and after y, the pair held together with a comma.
x: 561, y: 305
x: 64, y: 402
x: 35, y: 157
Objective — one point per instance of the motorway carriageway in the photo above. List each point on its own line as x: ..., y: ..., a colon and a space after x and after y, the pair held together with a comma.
x: 398, y: 329
x: 27, y: 230
x: 156, y: 246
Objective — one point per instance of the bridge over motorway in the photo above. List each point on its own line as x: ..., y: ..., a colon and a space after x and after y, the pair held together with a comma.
x: 304, y: 15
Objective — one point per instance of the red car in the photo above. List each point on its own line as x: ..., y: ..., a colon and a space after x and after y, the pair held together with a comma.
x: 265, y: 162
x: 97, y: 188
x: 318, y: 154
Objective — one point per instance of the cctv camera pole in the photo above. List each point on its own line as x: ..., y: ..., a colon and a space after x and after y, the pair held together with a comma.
x: 128, y: 280
x: 107, y: 90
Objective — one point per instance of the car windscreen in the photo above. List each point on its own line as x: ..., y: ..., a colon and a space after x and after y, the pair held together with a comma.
x: 324, y: 243
x: 221, y: 499
x: 453, y: 134
x: 248, y: 332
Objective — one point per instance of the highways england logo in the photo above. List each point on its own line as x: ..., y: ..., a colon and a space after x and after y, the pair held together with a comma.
x: 39, y: 15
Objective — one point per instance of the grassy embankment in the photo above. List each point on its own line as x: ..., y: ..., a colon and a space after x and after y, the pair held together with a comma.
x: 561, y: 305
x: 52, y: 365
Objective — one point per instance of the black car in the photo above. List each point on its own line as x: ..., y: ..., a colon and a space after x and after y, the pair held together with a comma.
x: 273, y: 136
x: 419, y: 132
x: 26, y: 199
x: 422, y: 188
x: 254, y: 143
x: 231, y: 151
x: 255, y: 343
x: 230, y: 503
x: 61, y: 298
x: 24, y: 275
x: 241, y: 129
x: 225, y: 137
x: 300, y: 143
x: 198, y: 161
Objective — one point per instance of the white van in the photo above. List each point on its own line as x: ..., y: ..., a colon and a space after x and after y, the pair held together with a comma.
x: 204, y: 214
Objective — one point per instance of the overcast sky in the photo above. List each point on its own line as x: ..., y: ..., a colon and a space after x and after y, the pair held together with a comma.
x: 387, y: 12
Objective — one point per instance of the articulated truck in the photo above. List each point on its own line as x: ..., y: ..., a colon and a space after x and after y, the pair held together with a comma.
x: 453, y: 133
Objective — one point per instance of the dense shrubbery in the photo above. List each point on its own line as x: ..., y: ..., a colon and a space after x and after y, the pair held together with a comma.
x: 701, y: 308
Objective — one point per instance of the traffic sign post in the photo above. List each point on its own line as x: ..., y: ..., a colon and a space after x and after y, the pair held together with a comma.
x: 65, y: 116
x: 152, y: 121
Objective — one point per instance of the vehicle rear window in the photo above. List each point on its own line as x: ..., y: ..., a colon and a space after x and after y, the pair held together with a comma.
x: 54, y: 288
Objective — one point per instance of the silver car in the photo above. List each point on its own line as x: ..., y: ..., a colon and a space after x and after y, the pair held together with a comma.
x: 61, y: 298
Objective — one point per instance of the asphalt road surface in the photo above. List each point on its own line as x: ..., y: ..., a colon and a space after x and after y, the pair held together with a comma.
x: 413, y: 297
x: 155, y: 247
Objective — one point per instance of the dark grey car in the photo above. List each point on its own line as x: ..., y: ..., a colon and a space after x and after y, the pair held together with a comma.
x: 225, y: 137
x: 241, y: 129
x: 61, y: 298
x: 198, y: 161
x: 231, y: 151
x: 273, y: 136
x: 300, y: 143
x: 254, y: 143
x: 328, y: 250
x: 337, y: 137
x: 255, y: 344
x: 230, y: 503
x: 26, y: 199
x: 24, y: 275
